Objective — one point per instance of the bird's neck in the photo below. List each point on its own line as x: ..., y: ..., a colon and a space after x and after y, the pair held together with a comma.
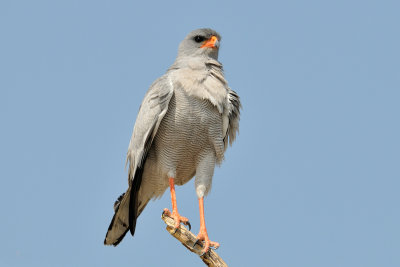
x: 202, y: 79
x: 196, y: 63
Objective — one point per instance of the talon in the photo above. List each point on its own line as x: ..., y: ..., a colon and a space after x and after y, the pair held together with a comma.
x: 194, y: 244
x: 203, y: 236
x: 163, y: 213
x: 166, y: 212
x: 189, y: 225
x: 177, y: 218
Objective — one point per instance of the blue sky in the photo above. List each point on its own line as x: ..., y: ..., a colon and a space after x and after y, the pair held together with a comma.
x: 313, y: 179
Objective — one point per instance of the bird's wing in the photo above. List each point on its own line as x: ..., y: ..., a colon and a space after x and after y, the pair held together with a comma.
x: 151, y: 112
x: 233, y: 110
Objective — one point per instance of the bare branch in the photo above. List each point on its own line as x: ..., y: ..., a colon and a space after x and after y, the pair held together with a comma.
x: 188, y: 239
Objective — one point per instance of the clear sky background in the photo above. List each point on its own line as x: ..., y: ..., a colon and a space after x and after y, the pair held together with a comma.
x: 313, y: 179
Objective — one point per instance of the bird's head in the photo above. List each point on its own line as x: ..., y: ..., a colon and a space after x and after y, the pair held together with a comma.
x: 200, y: 43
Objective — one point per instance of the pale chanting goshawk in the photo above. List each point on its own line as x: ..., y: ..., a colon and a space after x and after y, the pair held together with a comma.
x: 185, y: 122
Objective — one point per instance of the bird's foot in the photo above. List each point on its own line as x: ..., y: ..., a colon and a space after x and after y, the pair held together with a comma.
x: 177, y: 218
x: 203, y: 236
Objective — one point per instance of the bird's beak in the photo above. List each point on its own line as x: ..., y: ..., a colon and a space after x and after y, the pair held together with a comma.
x: 211, y: 43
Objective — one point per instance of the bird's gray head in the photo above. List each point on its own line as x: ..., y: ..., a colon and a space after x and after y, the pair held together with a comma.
x: 200, y: 43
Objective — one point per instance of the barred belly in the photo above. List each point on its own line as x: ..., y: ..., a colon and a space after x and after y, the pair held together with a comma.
x: 190, y: 130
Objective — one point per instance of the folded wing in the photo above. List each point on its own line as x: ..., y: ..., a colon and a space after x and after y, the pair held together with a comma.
x: 151, y: 112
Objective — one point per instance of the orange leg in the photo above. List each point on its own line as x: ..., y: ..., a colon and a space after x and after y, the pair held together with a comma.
x: 203, y: 236
x: 175, y: 215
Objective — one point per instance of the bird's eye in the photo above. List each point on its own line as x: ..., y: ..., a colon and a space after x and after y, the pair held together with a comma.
x: 199, y: 39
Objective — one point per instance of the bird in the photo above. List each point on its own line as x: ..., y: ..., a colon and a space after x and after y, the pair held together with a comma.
x: 186, y: 120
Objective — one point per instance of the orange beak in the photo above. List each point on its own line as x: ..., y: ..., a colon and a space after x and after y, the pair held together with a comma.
x: 211, y: 43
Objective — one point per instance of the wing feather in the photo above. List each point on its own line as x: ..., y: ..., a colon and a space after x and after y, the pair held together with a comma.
x: 151, y: 112
x: 234, y: 107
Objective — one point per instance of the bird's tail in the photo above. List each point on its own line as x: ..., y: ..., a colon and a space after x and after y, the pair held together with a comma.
x: 120, y: 225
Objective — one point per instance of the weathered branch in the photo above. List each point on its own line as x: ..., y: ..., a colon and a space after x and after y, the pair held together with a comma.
x: 188, y: 239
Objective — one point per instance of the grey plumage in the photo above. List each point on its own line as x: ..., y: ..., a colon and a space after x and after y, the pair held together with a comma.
x: 185, y: 122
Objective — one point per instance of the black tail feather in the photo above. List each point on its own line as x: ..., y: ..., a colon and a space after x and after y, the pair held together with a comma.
x: 133, y: 201
x: 136, y: 182
x: 116, y: 207
x: 120, y: 238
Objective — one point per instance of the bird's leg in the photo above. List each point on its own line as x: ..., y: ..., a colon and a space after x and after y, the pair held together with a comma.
x: 175, y: 215
x: 203, y: 236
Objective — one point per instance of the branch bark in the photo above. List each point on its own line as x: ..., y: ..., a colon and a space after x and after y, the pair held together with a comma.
x: 188, y: 239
